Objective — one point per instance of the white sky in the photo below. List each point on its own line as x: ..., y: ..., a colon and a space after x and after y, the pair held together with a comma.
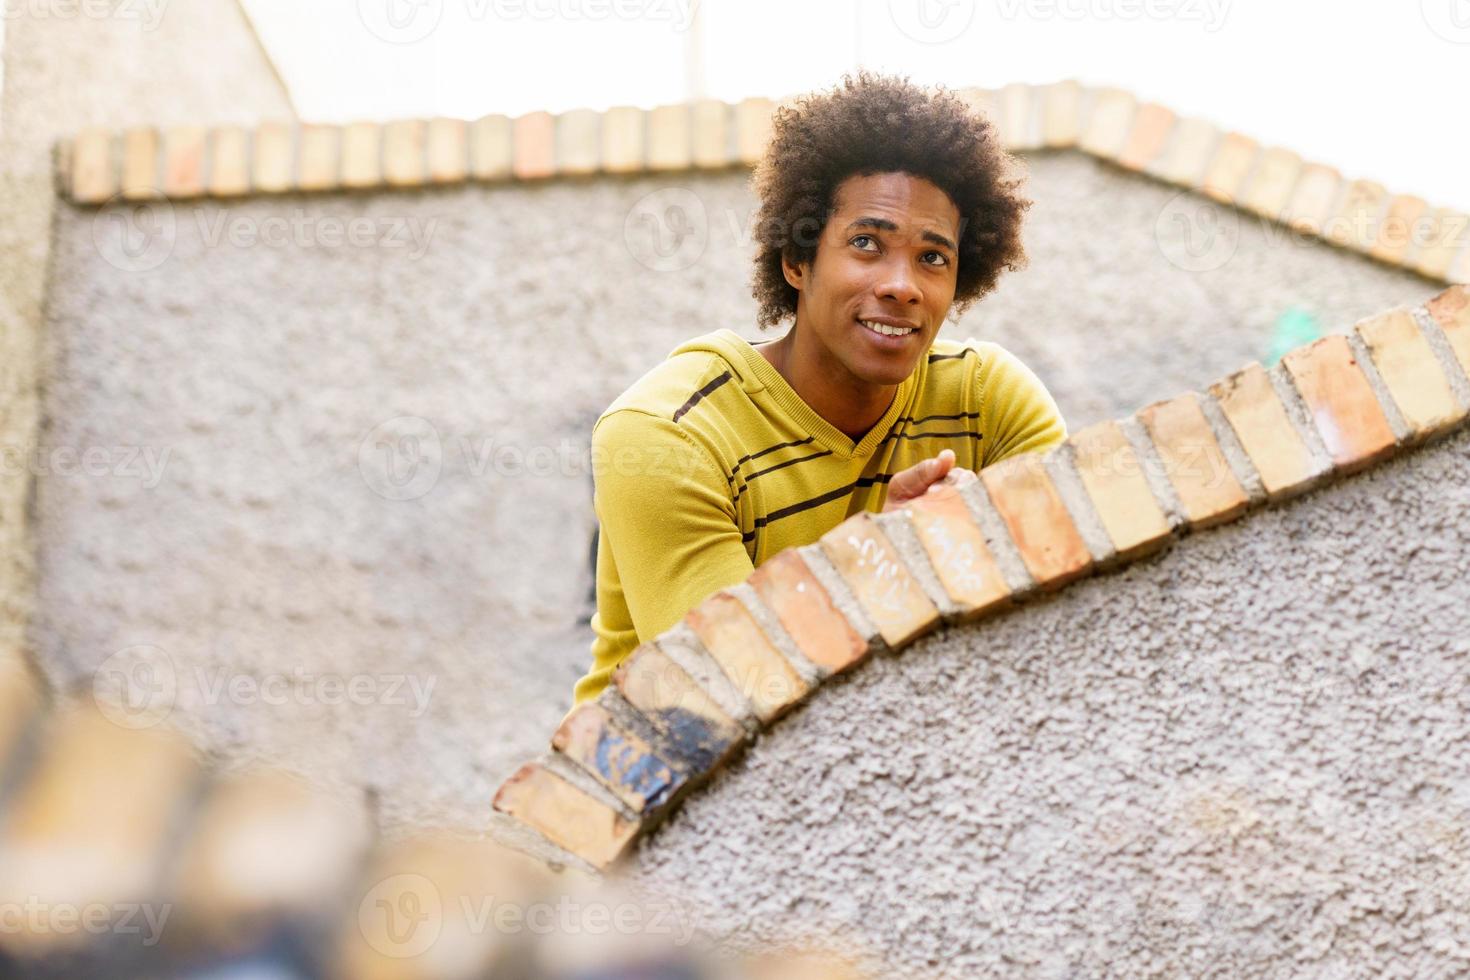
x: 1373, y: 89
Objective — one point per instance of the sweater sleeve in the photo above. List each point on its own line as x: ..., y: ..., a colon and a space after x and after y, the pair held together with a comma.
x: 667, y: 520
x: 1018, y: 413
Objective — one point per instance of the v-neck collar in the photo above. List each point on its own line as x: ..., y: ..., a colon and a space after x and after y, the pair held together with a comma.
x: 831, y: 437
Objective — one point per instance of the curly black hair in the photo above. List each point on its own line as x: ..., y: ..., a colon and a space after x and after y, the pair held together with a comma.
x: 875, y: 124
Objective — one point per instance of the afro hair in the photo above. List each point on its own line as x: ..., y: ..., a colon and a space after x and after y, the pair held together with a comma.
x: 876, y: 124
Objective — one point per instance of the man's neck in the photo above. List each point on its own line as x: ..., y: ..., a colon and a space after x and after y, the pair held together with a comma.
x: 852, y: 406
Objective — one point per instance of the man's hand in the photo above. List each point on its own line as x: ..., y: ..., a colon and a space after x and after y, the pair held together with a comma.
x: 921, y: 478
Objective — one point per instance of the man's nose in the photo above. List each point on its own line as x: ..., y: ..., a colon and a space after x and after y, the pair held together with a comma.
x: 898, y: 284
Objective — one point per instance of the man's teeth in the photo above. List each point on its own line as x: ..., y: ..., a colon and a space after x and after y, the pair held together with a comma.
x: 886, y: 330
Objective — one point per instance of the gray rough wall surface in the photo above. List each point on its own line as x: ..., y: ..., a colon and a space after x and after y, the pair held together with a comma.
x: 1248, y: 756
x: 66, y: 69
x: 291, y: 382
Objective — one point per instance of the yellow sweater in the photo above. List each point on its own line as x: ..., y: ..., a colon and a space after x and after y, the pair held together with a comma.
x: 711, y: 463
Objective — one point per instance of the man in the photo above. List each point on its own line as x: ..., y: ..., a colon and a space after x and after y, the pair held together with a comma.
x: 882, y: 207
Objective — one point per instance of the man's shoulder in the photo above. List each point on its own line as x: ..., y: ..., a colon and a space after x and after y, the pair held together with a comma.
x: 671, y: 389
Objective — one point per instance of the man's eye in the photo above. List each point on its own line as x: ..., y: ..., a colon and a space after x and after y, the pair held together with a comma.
x: 943, y: 259
x: 863, y: 238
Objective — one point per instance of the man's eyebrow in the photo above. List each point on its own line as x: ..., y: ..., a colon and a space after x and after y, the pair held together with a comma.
x: 883, y: 224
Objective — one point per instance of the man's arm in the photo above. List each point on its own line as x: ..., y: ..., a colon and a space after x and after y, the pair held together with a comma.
x: 1017, y: 413
x: 666, y: 516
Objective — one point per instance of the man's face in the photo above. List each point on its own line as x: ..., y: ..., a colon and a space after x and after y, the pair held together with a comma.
x: 888, y: 255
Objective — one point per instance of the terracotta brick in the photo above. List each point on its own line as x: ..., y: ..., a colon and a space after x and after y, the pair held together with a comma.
x: 1018, y: 114
x: 1151, y: 128
x: 1395, y: 238
x: 314, y: 843
x: 229, y: 163
x: 1410, y: 372
x: 1269, y: 191
x: 141, y: 174
x: 1451, y: 310
x: 887, y: 592
x: 183, y: 161
x: 1114, y: 480
x: 92, y: 821
x: 1257, y: 416
x: 578, y: 142
x: 1460, y: 271
x: 806, y: 611
x: 19, y: 703
x: 622, y: 140
x: 491, y: 154
x: 696, y: 729
x: 711, y: 121
x: 1038, y: 522
x: 1356, y: 223
x: 670, y: 138
x: 405, y: 160
x: 1193, y: 461
x: 1061, y: 114
x: 620, y: 760
x: 534, y: 146
x: 362, y: 155
x: 1189, y: 153
x: 983, y: 102
x: 565, y: 815
x: 752, y: 129
x: 449, y: 151
x: 319, y: 158
x: 1449, y: 235
x: 272, y: 169
x: 1312, y: 199
x: 746, y: 656
x: 93, y: 176
x: 1227, y: 170
x: 956, y: 548
x: 1341, y: 403
x: 1109, y: 122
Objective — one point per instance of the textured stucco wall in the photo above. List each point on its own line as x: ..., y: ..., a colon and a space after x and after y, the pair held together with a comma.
x: 1249, y: 756
x: 66, y: 68
x: 327, y: 420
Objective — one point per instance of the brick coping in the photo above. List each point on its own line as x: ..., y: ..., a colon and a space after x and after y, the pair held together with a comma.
x: 100, y: 166
x: 685, y: 702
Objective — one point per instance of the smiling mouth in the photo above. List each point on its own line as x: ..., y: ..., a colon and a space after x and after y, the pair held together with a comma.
x: 884, y: 330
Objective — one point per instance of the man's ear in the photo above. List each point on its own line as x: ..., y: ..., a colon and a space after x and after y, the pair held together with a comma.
x: 795, y: 274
